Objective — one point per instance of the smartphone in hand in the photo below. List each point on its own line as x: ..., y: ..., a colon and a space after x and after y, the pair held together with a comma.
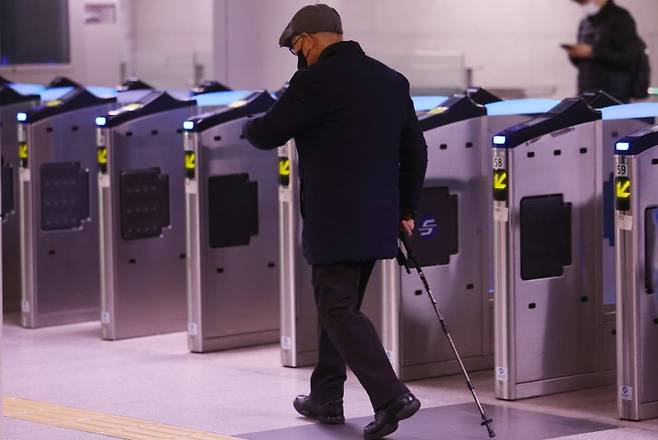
x: 567, y: 46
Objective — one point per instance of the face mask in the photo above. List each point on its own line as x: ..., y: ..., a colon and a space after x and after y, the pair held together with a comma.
x: 302, y: 62
x: 591, y: 9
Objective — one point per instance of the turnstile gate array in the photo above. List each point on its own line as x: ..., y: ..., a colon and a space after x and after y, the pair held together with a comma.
x: 453, y: 236
x: 58, y: 210
x: 551, y: 248
x: 232, y: 242
x: 10, y: 224
x: 11, y: 103
x: 636, y: 230
x: 32, y: 95
x: 141, y: 200
x: 298, y: 334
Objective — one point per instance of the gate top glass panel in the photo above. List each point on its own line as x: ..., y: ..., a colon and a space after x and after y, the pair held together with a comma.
x: 9, y: 96
x: 218, y: 99
x: 521, y: 107
x: 638, y: 110
x: 254, y: 102
x: 426, y: 103
x: 27, y: 89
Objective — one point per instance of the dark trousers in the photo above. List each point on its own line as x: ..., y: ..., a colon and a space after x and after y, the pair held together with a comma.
x: 346, y: 336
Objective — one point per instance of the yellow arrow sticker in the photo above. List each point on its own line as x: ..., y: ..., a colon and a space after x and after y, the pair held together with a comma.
x: 22, y: 150
x: 500, y: 180
x: 284, y: 167
x: 190, y: 160
x: 437, y: 111
x: 102, y: 156
x: 623, y: 188
x: 238, y: 104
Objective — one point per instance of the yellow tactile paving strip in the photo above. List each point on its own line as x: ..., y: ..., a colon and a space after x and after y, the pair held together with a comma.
x: 98, y: 423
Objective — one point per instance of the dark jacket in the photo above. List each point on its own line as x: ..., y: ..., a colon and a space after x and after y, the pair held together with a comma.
x: 616, y: 47
x: 362, y: 154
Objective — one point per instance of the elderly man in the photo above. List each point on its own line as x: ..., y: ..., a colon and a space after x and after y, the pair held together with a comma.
x: 362, y: 164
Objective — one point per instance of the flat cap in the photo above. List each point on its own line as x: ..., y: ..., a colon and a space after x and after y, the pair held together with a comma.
x: 311, y: 19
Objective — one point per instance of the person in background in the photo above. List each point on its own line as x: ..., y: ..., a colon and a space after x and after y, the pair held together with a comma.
x: 607, y: 50
x: 362, y: 163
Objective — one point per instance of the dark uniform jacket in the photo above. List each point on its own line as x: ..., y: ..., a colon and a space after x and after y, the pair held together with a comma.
x: 362, y: 154
x: 613, y: 36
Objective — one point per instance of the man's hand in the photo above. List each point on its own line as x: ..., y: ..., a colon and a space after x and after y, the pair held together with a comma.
x: 580, y: 51
x: 408, y: 226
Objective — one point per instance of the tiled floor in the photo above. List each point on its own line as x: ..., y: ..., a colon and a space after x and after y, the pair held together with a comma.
x: 232, y: 393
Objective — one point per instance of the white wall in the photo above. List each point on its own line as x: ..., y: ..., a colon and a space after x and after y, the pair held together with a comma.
x: 95, y: 52
x: 508, y: 43
x: 249, y: 56
x: 170, y: 37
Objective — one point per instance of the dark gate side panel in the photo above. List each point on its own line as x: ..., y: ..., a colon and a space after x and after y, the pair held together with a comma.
x: 144, y: 203
x: 233, y: 210
x: 609, y: 209
x: 545, y: 236
x: 7, y: 182
x: 651, y: 250
x: 647, y: 309
x: 64, y: 196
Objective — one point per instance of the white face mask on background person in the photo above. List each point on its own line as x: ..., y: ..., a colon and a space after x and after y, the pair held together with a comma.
x: 591, y: 9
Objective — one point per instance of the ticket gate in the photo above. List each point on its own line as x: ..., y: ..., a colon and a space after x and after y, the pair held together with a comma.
x: 11, y: 103
x: 43, y: 94
x: 452, y: 245
x: 298, y: 337
x: 142, y: 222
x: 549, y: 327
x: 618, y: 120
x: 551, y: 191
x: 636, y: 230
x: 15, y: 98
x: 232, y: 242
x: 58, y: 210
x: 298, y: 316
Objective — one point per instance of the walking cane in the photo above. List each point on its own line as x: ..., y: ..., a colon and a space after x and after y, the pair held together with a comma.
x: 411, y: 257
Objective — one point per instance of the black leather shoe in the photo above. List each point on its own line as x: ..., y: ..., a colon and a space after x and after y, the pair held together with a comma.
x: 330, y: 412
x: 387, y: 419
